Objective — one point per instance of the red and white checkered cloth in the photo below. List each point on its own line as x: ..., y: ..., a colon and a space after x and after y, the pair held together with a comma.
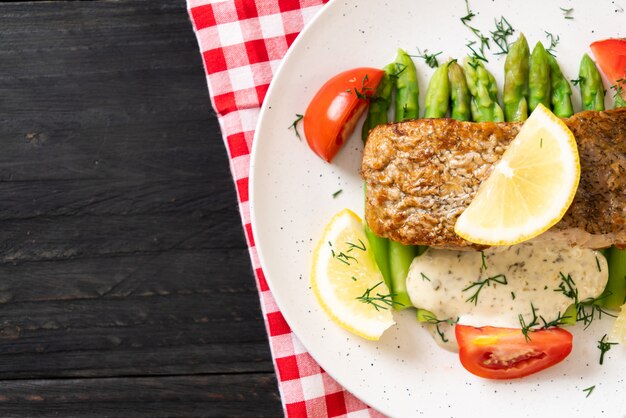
x: 242, y: 42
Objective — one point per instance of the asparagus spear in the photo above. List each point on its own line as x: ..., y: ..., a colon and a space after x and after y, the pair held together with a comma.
x: 515, y: 94
x: 459, y: 93
x: 615, y: 291
x: 438, y: 94
x: 591, y: 87
x: 482, y: 86
x: 539, y: 78
x: 407, y: 93
x: 407, y: 107
x: 376, y: 115
x: 380, y: 102
x: 561, y: 92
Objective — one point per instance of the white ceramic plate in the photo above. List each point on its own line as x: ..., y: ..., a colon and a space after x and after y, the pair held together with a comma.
x: 406, y: 373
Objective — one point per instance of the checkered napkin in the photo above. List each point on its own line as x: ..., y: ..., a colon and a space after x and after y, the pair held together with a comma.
x: 242, y: 42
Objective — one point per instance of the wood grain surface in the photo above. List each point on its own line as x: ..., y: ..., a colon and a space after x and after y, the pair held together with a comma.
x: 125, y: 282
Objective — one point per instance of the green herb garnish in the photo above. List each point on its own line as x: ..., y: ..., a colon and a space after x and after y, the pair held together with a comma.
x: 604, y: 346
x: 378, y: 301
x: 482, y: 257
x: 501, y: 34
x: 500, y: 278
x: 554, y: 41
x: 567, y: 13
x: 430, y: 59
x: 526, y: 327
x: 589, y: 390
x: 577, y: 81
x: 424, y: 277
x: 337, y: 193
x: 294, y: 125
x: 352, y: 246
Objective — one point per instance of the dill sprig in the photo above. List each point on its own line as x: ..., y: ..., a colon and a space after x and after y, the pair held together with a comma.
x: 587, y: 311
x: 341, y: 256
x: 577, y: 81
x: 294, y: 125
x: 554, y: 41
x: 589, y: 390
x: 362, y: 94
x: 604, y: 346
x: 567, y: 13
x: 568, y: 287
x: 560, y: 320
x: 430, y: 59
x: 399, y: 68
x: 431, y: 319
x: 441, y: 334
x: 527, y: 327
x: 501, y: 34
x: 352, y: 246
x: 378, y: 301
x: 424, y: 277
x: 618, y: 87
x: 484, y: 41
x: 483, y: 267
x: 500, y: 278
x: 476, y: 55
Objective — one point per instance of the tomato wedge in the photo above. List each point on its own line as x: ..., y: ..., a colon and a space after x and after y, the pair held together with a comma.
x: 504, y: 353
x: 611, y: 57
x: 334, y: 111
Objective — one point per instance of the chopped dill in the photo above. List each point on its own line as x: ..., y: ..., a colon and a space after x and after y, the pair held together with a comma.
x: 541, y: 143
x: 352, y: 246
x: 554, y: 41
x: 484, y: 41
x: 353, y: 278
x: 441, y: 334
x: 526, y: 327
x: 483, y: 258
x: 500, y: 278
x: 577, y: 81
x: 424, y: 277
x: 337, y: 193
x: 430, y: 59
x: 513, y: 295
x: 398, y: 70
x: 294, y: 125
x: 604, y: 346
x: 568, y: 287
x: 589, y: 390
x: 598, y: 264
x: 567, y: 13
x: 501, y: 34
x: 618, y: 87
x: 378, y: 301
x: 362, y: 94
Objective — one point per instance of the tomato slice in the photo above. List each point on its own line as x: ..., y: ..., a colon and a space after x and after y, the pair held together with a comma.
x: 611, y: 57
x: 334, y: 111
x: 504, y: 353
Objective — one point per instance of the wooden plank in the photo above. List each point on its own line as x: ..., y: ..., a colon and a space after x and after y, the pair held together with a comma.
x: 122, y: 252
x: 209, y: 396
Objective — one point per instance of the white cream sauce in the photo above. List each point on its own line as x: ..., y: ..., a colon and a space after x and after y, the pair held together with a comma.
x: 513, y: 278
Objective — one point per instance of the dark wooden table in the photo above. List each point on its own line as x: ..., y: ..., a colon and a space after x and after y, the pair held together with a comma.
x: 125, y: 282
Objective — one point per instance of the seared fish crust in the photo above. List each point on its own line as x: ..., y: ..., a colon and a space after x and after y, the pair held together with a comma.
x: 421, y: 174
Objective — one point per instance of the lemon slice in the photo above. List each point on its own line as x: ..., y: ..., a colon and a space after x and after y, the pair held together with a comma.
x: 346, y: 280
x: 618, y: 332
x: 529, y: 189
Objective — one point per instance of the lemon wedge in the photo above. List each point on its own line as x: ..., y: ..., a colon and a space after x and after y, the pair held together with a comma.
x: 618, y: 332
x: 346, y: 280
x: 529, y: 189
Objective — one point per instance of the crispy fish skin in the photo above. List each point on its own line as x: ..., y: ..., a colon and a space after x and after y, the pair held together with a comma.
x: 421, y: 174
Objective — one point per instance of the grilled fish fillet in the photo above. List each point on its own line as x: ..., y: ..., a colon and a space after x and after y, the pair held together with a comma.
x: 421, y: 174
